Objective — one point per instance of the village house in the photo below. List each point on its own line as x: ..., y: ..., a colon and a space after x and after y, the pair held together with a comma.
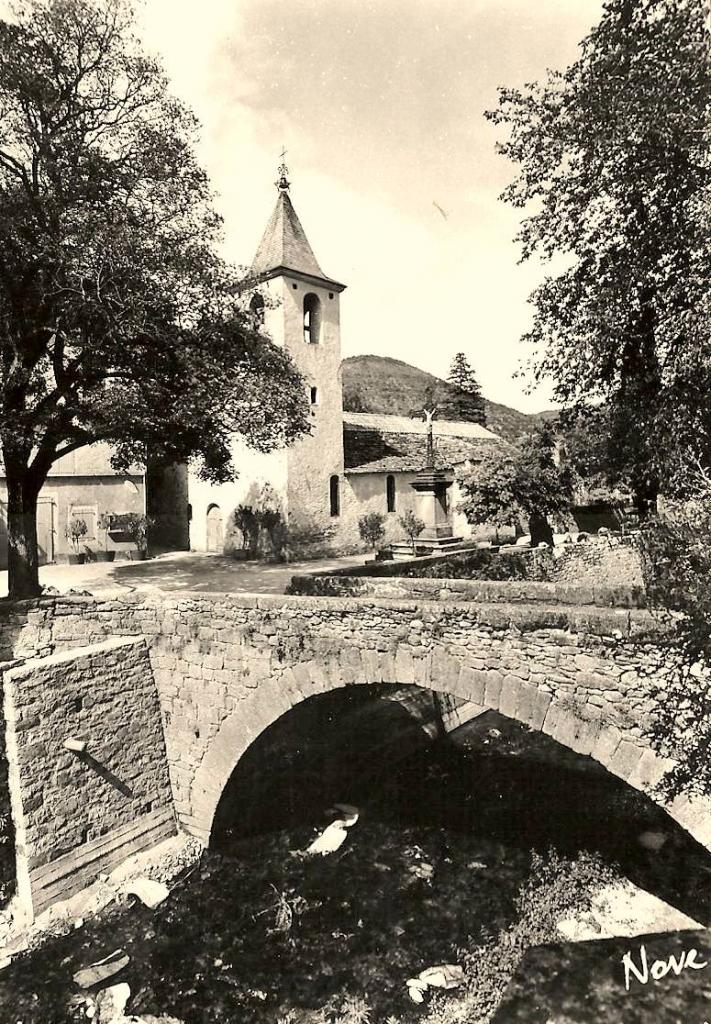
x: 82, y: 486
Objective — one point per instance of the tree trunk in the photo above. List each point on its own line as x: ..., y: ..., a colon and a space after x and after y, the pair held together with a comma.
x: 645, y: 494
x: 540, y: 530
x: 23, y: 562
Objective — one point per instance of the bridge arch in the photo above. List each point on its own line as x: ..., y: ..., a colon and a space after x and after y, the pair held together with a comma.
x: 575, y: 725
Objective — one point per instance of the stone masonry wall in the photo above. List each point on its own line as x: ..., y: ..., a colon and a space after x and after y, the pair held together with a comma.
x: 488, y: 591
x: 226, y: 667
x: 79, y: 813
x: 602, y: 560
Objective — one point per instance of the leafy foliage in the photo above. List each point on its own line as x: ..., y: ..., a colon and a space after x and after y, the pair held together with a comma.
x: 555, y: 889
x: 467, y: 402
x: 612, y: 165
x: 412, y: 526
x: 76, y: 530
x: 120, y: 321
x: 371, y: 528
x: 676, y: 550
x: 261, y: 518
x: 531, y: 484
x: 137, y: 527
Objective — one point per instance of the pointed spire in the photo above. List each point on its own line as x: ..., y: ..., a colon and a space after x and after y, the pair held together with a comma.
x: 284, y: 245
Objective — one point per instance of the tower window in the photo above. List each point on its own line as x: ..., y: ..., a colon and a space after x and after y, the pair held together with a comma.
x: 335, y: 495
x: 314, y: 396
x: 390, y: 493
x: 312, y: 319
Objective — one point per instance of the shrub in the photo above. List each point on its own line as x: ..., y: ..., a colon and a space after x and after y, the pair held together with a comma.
x: 372, y: 528
x: 246, y: 522
x: 75, y: 531
x: 412, y: 526
x: 555, y: 889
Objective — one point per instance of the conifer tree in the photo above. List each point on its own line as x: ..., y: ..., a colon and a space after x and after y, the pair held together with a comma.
x: 467, y: 402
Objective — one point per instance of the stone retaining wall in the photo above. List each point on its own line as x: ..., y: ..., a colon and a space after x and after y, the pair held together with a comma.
x: 607, y: 560
x: 78, y: 813
x: 486, y: 591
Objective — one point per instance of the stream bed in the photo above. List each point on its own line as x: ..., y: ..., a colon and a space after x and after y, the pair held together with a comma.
x: 448, y: 837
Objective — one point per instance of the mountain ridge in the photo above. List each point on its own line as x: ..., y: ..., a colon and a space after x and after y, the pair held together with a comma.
x: 382, y: 384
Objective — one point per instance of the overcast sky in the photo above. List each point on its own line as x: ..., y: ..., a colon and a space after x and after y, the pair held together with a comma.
x: 380, y: 106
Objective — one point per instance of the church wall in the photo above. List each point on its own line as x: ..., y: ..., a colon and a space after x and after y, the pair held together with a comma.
x: 255, y: 469
x: 366, y: 492
x: 459, y: 522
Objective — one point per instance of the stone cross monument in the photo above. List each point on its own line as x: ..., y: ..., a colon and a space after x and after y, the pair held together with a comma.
x: 431, y: 485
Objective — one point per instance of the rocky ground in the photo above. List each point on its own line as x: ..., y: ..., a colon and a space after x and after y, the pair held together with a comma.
x: 466, y: 855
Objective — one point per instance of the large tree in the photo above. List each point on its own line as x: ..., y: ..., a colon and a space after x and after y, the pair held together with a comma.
x: 530, y: 483
x: 614, y: 173
x: 119, y: 321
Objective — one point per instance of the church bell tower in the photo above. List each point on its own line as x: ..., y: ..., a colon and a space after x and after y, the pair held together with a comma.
x: 304, y: 318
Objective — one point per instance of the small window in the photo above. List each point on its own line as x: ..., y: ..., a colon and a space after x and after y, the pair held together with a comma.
x: 312, y: 319
x: 390, y: 492
x: 335, y: 496
x: 89, y: 515
x: 314, y: 396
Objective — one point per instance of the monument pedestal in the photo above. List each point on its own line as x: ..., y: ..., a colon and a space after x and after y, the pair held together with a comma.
x: 432, y: 507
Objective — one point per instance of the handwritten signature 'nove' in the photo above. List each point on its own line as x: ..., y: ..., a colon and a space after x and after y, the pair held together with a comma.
x: 688, y: 959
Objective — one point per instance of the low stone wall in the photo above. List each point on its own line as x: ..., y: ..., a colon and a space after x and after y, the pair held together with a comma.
x: 79, y: 813
x: 607, y: 560
x: 599, y: 561
x: 486, y: 591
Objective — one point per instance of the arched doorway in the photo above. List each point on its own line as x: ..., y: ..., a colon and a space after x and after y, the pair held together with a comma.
x: 215, y: 539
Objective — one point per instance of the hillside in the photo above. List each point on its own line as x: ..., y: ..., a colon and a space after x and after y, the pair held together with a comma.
x: 387, y: 385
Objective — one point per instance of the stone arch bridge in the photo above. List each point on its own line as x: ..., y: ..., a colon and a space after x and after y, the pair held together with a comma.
x: 126, y: 716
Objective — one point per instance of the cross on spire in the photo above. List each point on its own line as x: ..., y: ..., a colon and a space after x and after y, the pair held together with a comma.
x: 282, y: 183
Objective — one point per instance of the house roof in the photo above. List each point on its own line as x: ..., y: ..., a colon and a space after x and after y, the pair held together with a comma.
x: 285, y: 247
x: 397, y: 444
x: 91, y: 461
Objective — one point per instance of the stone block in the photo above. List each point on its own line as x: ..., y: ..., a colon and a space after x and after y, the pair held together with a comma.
x: 472, y: 684
x: 693, y: 814
x: 649, y: 771
x: 606, y: 744
x: 404, y: 664
x: 492, y: 692
x: 508, y: 700
x: 445, y: 672
x: 556, y: 719
x: 625, y: 759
